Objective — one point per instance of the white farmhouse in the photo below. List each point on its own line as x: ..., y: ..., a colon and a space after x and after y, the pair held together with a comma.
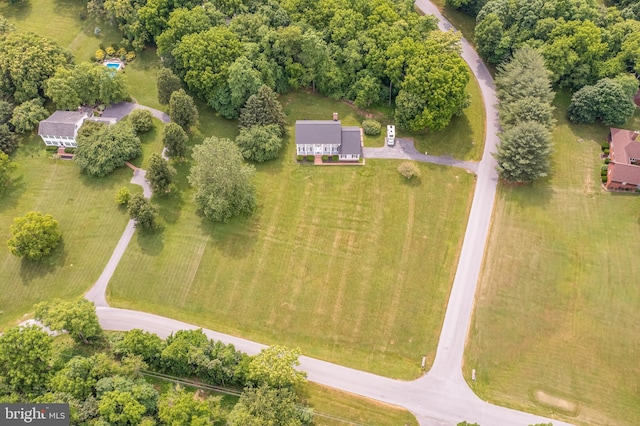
x: 328, y: 137
x: 61, y: 128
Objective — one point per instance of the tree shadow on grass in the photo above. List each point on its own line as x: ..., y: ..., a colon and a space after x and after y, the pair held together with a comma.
x: 9, y: 196
x: 151, y: 242
x: 237, y: 237
x: 414, y: 182
x: 19, y: 11
x: 35, y: 269
x: 170, y: 206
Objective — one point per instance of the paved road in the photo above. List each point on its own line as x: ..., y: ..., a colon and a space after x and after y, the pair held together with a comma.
x: 405, y: 149
x: 441, y: 397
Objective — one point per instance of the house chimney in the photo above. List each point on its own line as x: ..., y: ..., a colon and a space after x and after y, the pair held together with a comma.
x: 635, y: 134
x: 335, y: 116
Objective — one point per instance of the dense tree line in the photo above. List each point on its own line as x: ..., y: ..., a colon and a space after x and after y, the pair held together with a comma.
x: 526, y: 116
x: 108, y: 387
x: 581, y: 41
x: 369, y: 52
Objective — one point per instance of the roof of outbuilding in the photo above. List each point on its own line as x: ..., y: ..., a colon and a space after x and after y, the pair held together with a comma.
x: 60, y: 123
x: 318, y: 132
x: 351, y: 141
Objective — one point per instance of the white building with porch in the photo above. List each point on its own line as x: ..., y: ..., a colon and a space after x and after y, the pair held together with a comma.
x: 61, y: 128
x: 328, y: 137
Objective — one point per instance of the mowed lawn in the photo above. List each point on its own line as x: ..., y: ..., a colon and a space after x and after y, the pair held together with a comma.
x: 557, y: 306
x: 351, y: 264
x: 90, y: 222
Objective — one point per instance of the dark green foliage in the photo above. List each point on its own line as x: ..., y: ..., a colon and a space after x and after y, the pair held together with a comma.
x: 86, y: 84
x: 336, y: 157
x: 24, y: 358
x: 609, y: 100
x: 140, y: 343
x: 167, y: 83
x: 371, y: 127
x: 27, y: 115
x: 604, y: 178
x: 524, y: 90
x: 34, y: 236
x: 192, y: 353
x: 300, y: 157
x: 260, y: 143
x: 182, y: 109
x: 143, y: 212
x: 264, y: 405
x: 262, y: 109
x: 174, y: 138
x: 523, y: 153
x: 6, y: 111
x: 159, y: 174
x: 221, y: 180
x: 465, y: 423
x: 6, y: 170
x: 102, y: 149
x: 606, y: 151
x: 244, y: 81
x: 607, y: 160
x: 309, y: 158
x: 27, y: 60
x: 325, y: 158
x: 142, y: 392
x: 141, y: 120
x: 77, y: 317
x: 178, y: 407
x: 8, y: 140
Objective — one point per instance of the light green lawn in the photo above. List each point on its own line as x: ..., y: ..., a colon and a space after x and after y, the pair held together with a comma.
x: 353, y: 409
x: 557, y: 305
x: 350, y: 263
x: 60, y: 20
x: 90, y: 222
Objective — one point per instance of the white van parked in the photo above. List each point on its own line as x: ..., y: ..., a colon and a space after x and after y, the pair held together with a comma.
x: 391, y: 135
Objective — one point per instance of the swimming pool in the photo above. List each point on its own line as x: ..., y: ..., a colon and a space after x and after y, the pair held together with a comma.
x: 113, y: 65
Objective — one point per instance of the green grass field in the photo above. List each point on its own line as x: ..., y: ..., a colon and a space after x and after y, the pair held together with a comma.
x: 557, y: 306
x: 90, y: 222
x: 331, y: 261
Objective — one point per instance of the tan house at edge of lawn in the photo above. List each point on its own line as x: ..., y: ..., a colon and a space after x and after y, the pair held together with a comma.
x: 624, y: 166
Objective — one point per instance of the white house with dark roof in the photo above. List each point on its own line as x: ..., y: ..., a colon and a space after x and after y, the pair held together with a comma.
x: 328, y: 137
x: 61, y: 128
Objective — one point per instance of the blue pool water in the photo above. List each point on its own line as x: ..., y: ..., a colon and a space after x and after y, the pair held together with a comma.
x: 113, y: 65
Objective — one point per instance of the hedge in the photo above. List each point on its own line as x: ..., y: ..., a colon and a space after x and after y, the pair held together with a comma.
x: 300, y: 157
x: 335, y: 158
x: 309, y: 158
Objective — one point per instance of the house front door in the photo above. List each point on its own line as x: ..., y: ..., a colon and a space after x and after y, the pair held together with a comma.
x: 318, y: 149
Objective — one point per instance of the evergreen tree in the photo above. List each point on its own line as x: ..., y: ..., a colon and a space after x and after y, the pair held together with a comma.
x: 175, y: 139
x: 159, y: 174
x: 523, y: 153
x: 262, y: 109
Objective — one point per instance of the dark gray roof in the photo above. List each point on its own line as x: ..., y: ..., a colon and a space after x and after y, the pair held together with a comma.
x: 351, y: 141
x: 317, y: 132
x: 60, y: 123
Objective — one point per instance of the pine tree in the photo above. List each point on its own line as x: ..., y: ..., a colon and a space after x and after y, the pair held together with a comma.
x: 262, y: 109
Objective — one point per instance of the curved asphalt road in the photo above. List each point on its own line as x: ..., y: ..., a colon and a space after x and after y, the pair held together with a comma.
x: 441, y: 397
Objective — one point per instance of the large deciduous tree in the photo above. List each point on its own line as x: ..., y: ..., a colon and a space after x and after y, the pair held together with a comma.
x: 260, y: 143
x: 609, y: 100
x: 159, y: 174
x: 143, y: 213
x: 141, y: 120
x: 267, y: 406
x: 222, y: 181
x: 275, y: 367
x: 178, y: 407
x: 77, y: 317
x: 34, y: 235
x: 182, y: 109
x: 140, y: 343
x: 6, y: 170
x: 27, y: 115
x: 102, y: 149
x: 27, y: 60
x: 523, y: 152
x: 167, y: 83
x: 174, y: 138
x: 24, y: 358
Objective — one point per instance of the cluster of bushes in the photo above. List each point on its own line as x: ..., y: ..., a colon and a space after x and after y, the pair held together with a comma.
x: 526, y: 117
x: 371, y: 127
x: 610, y: 101
x: 114, y: 51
